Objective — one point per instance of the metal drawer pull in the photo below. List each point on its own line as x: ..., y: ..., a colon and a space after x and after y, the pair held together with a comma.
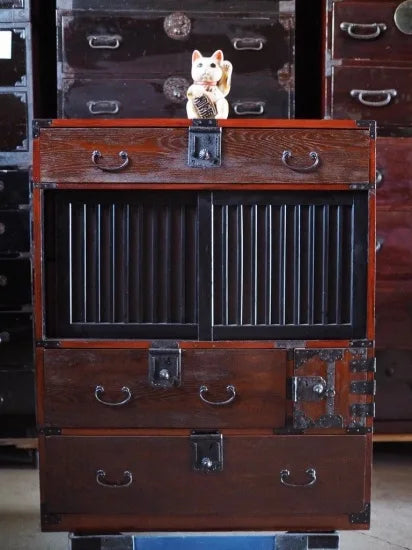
x: 360, y: 95
x: 379, y: 244
x: 104, y: 41
x: 101, y: 476
x: 248, y: 43
x: 243, y: 108
x: 379, y: 178
x: 350, y: 28
x: 104, y: 107
x: 96, y: 155
x: 285, y: 475
x: 230, y: 389
x: 286, y: 155
x: 99, y: 391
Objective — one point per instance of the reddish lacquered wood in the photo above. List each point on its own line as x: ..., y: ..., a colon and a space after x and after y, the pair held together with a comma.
x: 36, y: 160
x: 394, y: 155
x: 394, y: 315
x: 394, y: 235
x: 371, y: 262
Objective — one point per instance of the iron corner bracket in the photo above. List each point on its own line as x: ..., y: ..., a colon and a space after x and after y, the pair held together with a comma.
x: 40, y: 123
x: 47, y: 518
x: 48, y: 344
x: 371, y: 124
x: 205, y: 144
x: 49, y: 430
x: 363, y: 517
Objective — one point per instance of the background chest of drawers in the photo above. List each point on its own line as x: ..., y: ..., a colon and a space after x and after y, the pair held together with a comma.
x: 116, y: 60
x: 368, y: 74
x: 204, y: 334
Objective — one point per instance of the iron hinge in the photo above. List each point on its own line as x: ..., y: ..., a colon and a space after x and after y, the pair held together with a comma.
x: 40, y: 123
x: 47, y: 517
x: 363, y: 517
x: 205, y: 144
x: 356, y: 429
x: 50, y: 430
x: 363, y: 410
x: 207, y: 451
x: 363, y: 387
x: 370, y: 124
x: 361, y: 344
x: 48, y: 344
x: 47, y: 185
x: 327, y: 355
x: 363, y: 365
x: 164, y: 366
x: 362, y: 186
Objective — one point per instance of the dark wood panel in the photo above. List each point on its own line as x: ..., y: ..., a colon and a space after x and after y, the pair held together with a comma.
x: 15, y: 282
x: 16, y: 392
x: 394, y: 384
x: 249, y: 487
x: 14, y: 231
x: 14, y: 187
x: 258, y: 378
x: 16, y: 341
x: 394, y: 159
x: 394, y: 245
x: 160, y: 156
x: 394, y: 315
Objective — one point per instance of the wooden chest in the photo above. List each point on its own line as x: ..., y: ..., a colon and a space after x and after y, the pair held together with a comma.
x: 204, y: 324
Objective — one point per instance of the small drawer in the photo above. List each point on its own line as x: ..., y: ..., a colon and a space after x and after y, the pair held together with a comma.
x: 14, y: 188
x: 372, y: 93
x: 394, y: 168
x: 13, y: 63
x: 122, y: 388
x: 15, y: 282
x: 394, y: 384
x: 394, y: 245
x: 16, y: 339
x: 263, y: 482
x: 394, y: 315
x: 14, y: 121
x: 14, y: 231
x: 16, y: 392
x: 14, y: 10
x: 265, y: 155
x: 365, y: 30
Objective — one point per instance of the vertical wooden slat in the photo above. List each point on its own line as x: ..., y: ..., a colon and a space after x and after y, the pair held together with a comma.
x: 325, y: 263
x: 98, y: 263
x: 71, y: 262
x: 282, y: 263
x: 338, y: 266
x: 311, y: 266
x: 84, y: 233
x: 268, y: 264
x: 296, y: 271
x: 240, y: 263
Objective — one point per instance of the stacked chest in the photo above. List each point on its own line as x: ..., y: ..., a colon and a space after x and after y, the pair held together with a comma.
x: 117, y: 61
x: 204, y: 332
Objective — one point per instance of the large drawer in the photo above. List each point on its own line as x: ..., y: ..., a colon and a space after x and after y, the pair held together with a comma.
x: 367, y: 30
x: 150, y: 482
x: 394, y: 165
x: 15, y: 282
x: 249, y: 155
x: 372, y: 93
x: 117, y: 388
x: 394, y: 245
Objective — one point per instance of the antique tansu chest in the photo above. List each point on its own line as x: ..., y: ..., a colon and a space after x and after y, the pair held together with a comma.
x: 204, y: 303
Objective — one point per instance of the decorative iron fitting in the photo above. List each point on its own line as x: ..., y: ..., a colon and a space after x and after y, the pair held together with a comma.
x: 361, y: 344
x: 363, y: 410
x: 205, y: 144
x: 50, y: 430
x: 308, y: 388
x: 48, y: 518
x: 363, y: 517
x: 363, y: 387
x: 357, y: 429
x: 40, y: 123
x: 302, y: 356
x: 363, y: 365
x: 207, y: 451
x: 370, y: 124
x: 164, y: 367
x: 327, y: 421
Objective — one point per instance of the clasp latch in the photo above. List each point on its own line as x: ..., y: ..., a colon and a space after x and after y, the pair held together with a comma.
x: 207, y: 449
x: 205, y: 144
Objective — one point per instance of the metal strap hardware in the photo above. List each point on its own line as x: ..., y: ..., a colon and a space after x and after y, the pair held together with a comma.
x: 363, y: 365
x: 205, y: 144
x: 248, y: 43
x: 104, y: 107
x: 363, y: 387
x: 231, y: 390
x: 376, y: 28
x: 96, y: 155
x: 207, y: 451
x: 361, y: 94
x: 99, y: 391
x: 285, y: 475
x: 243, y: 108
x: 104, y: 41
x: 363, y: 410
x: 287, y: 155
x: 101, y: 480
x: 164, y: 367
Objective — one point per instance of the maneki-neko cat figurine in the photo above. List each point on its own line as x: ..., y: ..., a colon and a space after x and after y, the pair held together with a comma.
x: 211, y: 84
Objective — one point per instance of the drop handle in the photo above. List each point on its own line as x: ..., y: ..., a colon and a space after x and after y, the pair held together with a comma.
x: 379, y: 244
x: 356, y: 30
x: 362, y: 95
x: 104, y: 107
x: 99, y: 392
x: 101, y: 480
x: 243, y: 108
x: 287, y: 156
x: 248, y: 43
x: 285, y: 475
x: 231, y: 390
x: 379, y: 178
x: 2, y: 228
x: 96, y: 156
x: 104, y: 41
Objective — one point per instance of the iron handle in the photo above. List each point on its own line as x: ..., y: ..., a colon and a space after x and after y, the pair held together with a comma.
x: 243, y: 108
x: 101, y: 476
x: 230, y: 390
x: 104, y: 41
x: 4, y: 337
x: 3, y: 280
x: 379, y: 244
x: 104, y: 107
x: 99, y: 391
x: 360, y: 96
x: 350, y: 28
x: 379, y: 178
x: 286, y: 155
x: 96, y: 155
x: 248, y: 43
x: 285, y: 475
x: 2, y: 228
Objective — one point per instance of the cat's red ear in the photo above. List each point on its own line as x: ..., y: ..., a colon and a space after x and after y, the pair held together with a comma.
x: 218, y: 55
x: 195, y: 55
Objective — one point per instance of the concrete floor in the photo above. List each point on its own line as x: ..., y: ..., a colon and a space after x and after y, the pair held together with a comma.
x: 391, y: 507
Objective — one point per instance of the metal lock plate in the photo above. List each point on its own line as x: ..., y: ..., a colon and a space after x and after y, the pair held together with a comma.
x: 403, y: 17
x: 308, y: 388
x: 207, y: 452
x: 164, y: 367
x: 205, y: 144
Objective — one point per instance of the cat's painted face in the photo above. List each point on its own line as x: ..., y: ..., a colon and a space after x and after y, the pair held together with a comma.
x: 207, y: 68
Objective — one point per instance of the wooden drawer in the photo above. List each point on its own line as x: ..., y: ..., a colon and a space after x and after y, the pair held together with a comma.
x: 394, y: 384
x: 394, y: 316
x: 367, y: 30
x: 394, y: 245
x: 388, y: 90
x: 266, y: 482
x: 249, y: 155
x: 217, y: 388
x: 394, y: 166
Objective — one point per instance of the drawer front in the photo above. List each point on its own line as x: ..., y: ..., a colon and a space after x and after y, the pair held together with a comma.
x: 16, y: 347
x: 152, y: 43
x: 165, y: 97
x: 219, y: 388
x: 13, y: 69
x: 14, y: 231
x: 394, y: 245
x: 15, y: 282
x: 16, y: 392
x: 250, y: 155
x: 372, y: 93
x: 14, y: 121
x: 161, y: 487
x: 367, y: 30
x: 14, y: 188
x: 394, y: 162
x: 394, y: 316
x: 394, y: 385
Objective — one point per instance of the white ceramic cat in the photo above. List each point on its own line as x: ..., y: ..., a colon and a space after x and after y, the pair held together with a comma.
x: 211, y: 84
